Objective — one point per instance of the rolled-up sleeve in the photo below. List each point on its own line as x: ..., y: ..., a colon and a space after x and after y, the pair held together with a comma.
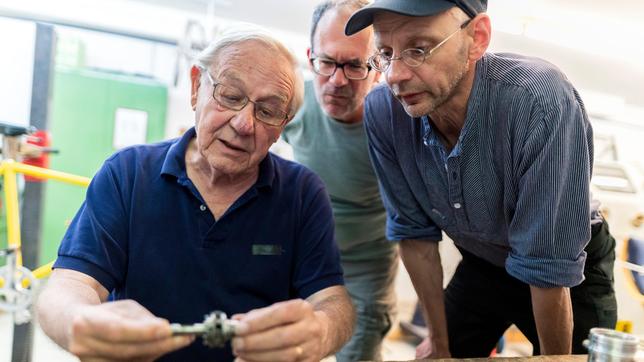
x: 551, y: 223
x: 405, y: 217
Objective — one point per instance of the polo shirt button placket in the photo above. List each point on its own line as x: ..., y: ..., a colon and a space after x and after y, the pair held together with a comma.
x: 203, y: 207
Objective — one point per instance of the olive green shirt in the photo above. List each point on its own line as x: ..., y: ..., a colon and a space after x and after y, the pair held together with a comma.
x: 338, y: 153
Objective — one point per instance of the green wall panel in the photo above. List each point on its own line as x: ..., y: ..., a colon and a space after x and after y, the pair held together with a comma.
x: 82, y: 128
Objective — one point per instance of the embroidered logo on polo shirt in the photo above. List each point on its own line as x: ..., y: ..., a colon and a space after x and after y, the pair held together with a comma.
x: 267, y: 249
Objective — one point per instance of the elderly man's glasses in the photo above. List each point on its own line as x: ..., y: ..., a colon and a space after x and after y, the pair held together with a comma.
x: 234, y: 99
x: 352, y: 70
x: 413, y: 57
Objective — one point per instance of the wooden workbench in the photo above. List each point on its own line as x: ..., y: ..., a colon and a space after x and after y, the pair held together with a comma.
x: 568, y: 358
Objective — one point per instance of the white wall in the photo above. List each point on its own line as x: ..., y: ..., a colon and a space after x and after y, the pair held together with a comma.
x: 16, y: 70
x: 121, y: 54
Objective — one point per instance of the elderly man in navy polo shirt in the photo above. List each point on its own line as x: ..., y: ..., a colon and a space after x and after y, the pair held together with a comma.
x: 209, y: 221
x: 495, y: 150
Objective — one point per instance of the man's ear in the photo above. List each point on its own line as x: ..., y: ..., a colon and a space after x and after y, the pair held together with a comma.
x: 195, y: 79
x: 481, y: 33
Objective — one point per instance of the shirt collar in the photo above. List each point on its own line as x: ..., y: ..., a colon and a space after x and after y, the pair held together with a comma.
x: 431, y: 138
x: 266, y: 172
x: 175, y: 162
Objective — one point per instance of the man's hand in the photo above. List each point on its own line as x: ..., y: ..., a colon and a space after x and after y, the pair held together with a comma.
x: 122, y: 330
x: 428, y: 349
x: 285, y: 331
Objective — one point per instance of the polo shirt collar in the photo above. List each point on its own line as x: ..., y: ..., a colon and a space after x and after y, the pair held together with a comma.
x: 266, y: 172
x: 175, y: 162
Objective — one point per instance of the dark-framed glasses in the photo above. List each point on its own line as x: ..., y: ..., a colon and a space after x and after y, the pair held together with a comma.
x: 229, y: 97
x: 413, y: 57
x: 327, y: 67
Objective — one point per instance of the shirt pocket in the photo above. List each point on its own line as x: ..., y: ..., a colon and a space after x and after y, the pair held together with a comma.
x: 264, y: 264
x: 478, y: 212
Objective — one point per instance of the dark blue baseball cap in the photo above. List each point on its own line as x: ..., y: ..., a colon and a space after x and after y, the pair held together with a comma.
x: 364, y: 17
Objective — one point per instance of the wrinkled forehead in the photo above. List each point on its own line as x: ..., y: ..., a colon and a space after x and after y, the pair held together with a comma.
x: 354, y: 48
x: 389, y: 27
x: 243, y: 53
x: 256, y: 68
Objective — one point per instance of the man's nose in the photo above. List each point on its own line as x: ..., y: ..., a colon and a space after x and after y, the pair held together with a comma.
x: 244, y: 120
x: 397, y: 72
x: 338, y: 78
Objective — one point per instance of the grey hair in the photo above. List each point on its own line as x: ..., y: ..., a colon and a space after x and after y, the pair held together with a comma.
x: 209, y: 56
x: 327, y: 5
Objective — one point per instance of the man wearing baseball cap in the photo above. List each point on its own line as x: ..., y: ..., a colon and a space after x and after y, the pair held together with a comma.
x: 496, y: 151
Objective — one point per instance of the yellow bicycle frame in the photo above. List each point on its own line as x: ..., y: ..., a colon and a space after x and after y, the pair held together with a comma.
x: 9, y: 168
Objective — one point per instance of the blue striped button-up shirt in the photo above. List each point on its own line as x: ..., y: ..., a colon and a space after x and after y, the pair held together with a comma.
x: 515, y: 188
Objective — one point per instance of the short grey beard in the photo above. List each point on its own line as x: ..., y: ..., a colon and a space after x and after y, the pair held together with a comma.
x: 454, y: 82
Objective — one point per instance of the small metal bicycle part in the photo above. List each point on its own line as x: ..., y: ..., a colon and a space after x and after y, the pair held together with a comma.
x: 215, y: 330
x: 17, y: 284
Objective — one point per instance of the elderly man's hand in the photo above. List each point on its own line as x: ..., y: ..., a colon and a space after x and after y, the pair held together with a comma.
x: 285, y: 331
x: 122, y: 330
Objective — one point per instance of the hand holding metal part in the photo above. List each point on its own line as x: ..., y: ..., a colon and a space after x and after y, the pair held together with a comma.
x: 215, y: 330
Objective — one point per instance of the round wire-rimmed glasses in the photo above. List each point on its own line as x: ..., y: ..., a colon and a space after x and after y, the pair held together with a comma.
x: 413, y: 57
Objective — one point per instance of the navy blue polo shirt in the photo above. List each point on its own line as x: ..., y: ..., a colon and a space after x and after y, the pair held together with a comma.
x: 145, y: 233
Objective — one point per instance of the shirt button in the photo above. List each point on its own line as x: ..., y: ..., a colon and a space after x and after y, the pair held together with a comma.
x: 202, y: 207
x: 457, y: 205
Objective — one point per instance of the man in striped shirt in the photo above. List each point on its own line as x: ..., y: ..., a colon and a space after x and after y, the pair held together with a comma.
x: 496, y: 151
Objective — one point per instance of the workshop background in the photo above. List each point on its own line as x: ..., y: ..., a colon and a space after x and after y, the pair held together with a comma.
x: 100, y: 75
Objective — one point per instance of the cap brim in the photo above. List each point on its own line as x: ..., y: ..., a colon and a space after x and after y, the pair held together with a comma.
x: 364, y: 17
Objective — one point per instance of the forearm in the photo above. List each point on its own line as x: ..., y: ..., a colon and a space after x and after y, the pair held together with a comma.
x: 64, y: 295
x: 336, y: 313
x: 423, y: 263
x: 552, y: 310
